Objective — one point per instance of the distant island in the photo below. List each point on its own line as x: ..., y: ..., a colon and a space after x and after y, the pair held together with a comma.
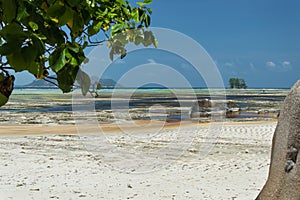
x: 109, y: 84
x: 42, y: 84
x: 38, y: 84
x: 238, y: 83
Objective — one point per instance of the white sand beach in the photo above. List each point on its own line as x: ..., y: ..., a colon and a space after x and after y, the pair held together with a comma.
x: 37, y: 164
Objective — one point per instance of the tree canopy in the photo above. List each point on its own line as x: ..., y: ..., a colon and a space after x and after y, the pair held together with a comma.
x: 40, y: 36
x: 237, y: 83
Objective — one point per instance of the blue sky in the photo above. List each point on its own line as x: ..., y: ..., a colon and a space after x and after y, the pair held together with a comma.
x: 258, y: 40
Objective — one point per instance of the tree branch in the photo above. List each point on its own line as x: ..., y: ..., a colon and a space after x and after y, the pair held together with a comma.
x: 51, y: 82
x: 51, y: 77
x: 6, y: 68
x: 106, y: 35
x: 94, y: 43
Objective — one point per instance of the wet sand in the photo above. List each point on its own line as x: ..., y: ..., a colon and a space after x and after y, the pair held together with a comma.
x: 52, y: 162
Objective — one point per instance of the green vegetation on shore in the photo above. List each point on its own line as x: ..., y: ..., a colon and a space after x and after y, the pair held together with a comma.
x: 41, y: 37
x: 238, y: 83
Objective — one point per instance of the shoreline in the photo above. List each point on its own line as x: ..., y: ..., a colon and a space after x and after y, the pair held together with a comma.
x: 108, y: 128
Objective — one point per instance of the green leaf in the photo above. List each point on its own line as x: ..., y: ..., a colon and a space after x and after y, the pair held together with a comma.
x: 66, y: 17
x: 55, y: 11
x: 155, y: 43
x: 149, y: 11
x: 147, y: 1
x: 126, y: 10
x: 141, y: 4
x: 95, y: 27
x: 57, y: 60
x: 37, y: 70
x: 74, y: 48
x: 86, y: 16
x: 17, y: 61
x: 80, y: 57
x: 121, y: 37
x: 22, y: 13
x: 33, y: 25
x: 70, y: 58
x: 29, y: 54
x: 29, y: 25
x: 116, y: 28
x: 3, y: 99
x: 25, y: 58
x: 38, y: 45
x: 147, y: 20
x: 10, y: 47
x: 68, y: 54
x: 73, y: 3
x: 147, y: 35
x: 9, y: 9
x: 142, y: 15
x: 121, y: 2
x: 135, y: 15
x: 138, y: 40
x: 84, y: 81
x: 78, y: 24
x: 66, y: 77
x: 73, y: 61
x: 85, y: 44
x: 13, y: 32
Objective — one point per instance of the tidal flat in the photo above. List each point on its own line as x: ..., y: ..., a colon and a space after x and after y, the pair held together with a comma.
x: 112, y: 106
x: 151, y: 147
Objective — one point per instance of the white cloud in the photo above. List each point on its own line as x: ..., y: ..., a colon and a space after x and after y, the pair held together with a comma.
x: 286, y: 65
x: 270, y: 64
x: 283, y: 66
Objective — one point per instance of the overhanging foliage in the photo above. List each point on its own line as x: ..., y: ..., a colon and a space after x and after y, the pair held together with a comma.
x: 39, y: 36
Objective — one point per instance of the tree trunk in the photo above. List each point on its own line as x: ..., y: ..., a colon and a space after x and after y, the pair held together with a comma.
x: 284, y: 174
